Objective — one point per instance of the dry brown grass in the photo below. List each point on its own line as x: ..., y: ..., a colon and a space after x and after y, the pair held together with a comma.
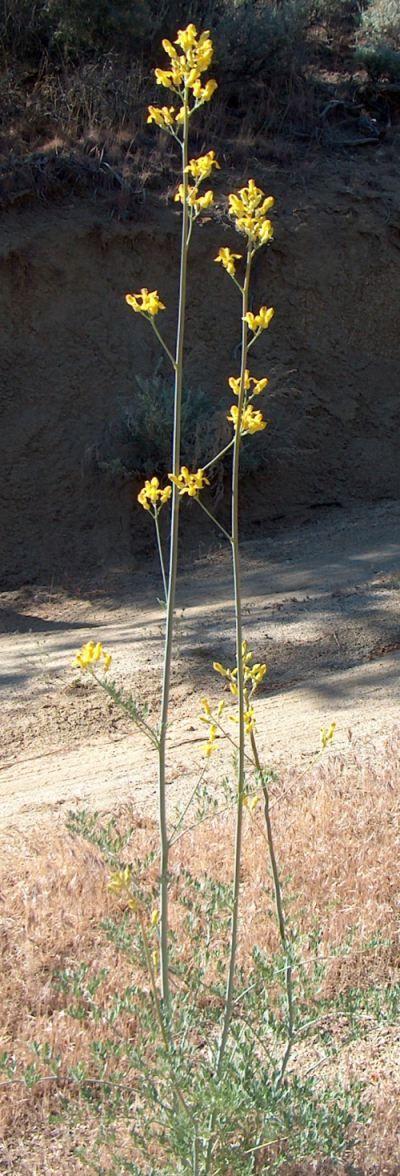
x: 337, y: 840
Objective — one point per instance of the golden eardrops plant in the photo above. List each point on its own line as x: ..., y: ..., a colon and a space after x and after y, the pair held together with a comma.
x: 188, y: 59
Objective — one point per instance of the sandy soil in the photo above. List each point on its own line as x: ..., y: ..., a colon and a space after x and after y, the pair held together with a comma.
x: 321, y: 606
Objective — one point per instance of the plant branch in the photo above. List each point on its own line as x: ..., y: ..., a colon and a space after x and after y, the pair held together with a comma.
x: 164, y: 579
x: 163, y: 343
x: 214, y: 520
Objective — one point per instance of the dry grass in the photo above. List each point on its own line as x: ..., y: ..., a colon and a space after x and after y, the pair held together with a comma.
x: 337, y: 838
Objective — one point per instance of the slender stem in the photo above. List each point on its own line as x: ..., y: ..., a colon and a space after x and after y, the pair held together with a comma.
x: 214, y: 520
x: 164, y: 580
x: 221, y: 453
x: 166, y: 682
x: 162, y: 341
x: 280, y: 917
x: 240, y: 677
x: 237, y: 284
x: 195, y: 1160
x: 160, y: 1018
x: 253, y: 340
x: 241, y: 706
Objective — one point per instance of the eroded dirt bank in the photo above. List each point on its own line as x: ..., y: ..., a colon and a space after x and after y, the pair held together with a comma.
x: 71, y: 348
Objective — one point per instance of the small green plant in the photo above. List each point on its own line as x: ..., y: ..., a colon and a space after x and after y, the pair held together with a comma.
x: 138, y: 443
x: 380, y: 61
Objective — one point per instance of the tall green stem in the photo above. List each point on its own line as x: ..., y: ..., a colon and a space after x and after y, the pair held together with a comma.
x: 166, y: 681
x: 241, y: 702
x: 240, y: 676
x: 280, y: 917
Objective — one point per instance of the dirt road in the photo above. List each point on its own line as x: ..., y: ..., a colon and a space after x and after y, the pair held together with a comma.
x: 321, y: 606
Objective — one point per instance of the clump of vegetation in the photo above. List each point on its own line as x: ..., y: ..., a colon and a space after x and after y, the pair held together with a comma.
x: 137, y: 444
x: 379, y: 39
x: 75, y: 75
x: 380, y: 22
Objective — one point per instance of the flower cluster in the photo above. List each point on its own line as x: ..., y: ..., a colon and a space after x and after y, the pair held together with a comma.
x: 253, y: 673
x: 162, y: 116
x: 249, y: 719
x: 199, y: 169
x: 250, y: 384
x: 187, y: 66
x: 228, y: 260
x: 189, y: 57
x: 147, y: 302
x: 249, y: 208
x: 196, y: 203
x: 90, y: 655
x: 152, y: 496
x: 212, y: 721
x: 259, y: 322
x: 251, y: 420
x: 188, y: 483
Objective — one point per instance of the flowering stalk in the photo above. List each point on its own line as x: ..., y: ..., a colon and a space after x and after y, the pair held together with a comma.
x: 189, y: 56
x: 166, y: 682
x: 240, y: 673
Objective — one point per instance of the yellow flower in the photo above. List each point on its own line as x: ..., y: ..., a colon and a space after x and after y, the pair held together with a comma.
x: 256, y: 673
x: 256, y: 386
x: 265, y: 232
x: 90, y: 654
x: 249, y: 208
x: 260, y: 321
x: 228, y: 259
x: 188, y: 483
x: 146, y: 302
x: 252, y: 419
x: 155, y: 918
x: 186, y: 38
x: 169, y: 49
x: 151, y: 495
x: 163, y: 78
x: 163, y: 116
x: 249, y: 720
x: 201, y: 167
x: 204, y: 93
x: 120, y: 880
x: 251, y: 803
x: 207, y: 710
x: 327, y: 735
x: 196, y: 203
x: 220, y: 669
x: 210, y: 746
